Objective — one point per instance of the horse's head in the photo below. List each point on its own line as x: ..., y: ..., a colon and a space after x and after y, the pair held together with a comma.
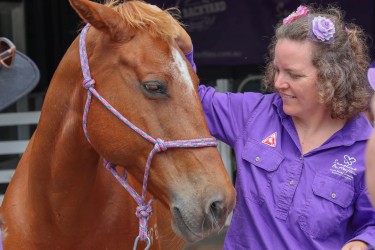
x: 141, y: 72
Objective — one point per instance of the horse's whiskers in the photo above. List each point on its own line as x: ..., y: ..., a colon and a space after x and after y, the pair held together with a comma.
x: 214, y: 220
x: 202, y: 229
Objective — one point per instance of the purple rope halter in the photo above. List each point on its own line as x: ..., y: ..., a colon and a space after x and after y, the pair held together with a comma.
x: 144, y: 209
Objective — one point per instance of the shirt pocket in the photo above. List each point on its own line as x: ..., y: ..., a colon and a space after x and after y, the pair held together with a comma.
x: 326, y: 207
x: 260, y: 164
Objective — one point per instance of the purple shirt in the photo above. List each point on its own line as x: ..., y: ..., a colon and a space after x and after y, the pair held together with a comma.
x: 287, y: 200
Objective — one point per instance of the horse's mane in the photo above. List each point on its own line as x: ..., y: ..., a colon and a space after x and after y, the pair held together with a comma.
x: 142, y: 16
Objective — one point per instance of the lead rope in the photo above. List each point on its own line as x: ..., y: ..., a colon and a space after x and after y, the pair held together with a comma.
x: 144, y: 209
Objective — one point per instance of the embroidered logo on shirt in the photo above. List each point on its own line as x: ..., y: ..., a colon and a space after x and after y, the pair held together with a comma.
x: 346, y: 169
x: 270, y: 140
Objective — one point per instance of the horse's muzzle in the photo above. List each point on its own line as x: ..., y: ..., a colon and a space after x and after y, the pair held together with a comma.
x: 194, y: 220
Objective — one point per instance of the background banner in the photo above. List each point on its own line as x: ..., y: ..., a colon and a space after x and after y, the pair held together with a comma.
x: 237, y: 32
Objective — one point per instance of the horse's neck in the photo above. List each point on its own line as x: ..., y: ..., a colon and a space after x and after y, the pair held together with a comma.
x: 61, y: 161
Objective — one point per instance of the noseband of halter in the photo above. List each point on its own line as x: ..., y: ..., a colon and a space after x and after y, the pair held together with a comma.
x: 144, y: 209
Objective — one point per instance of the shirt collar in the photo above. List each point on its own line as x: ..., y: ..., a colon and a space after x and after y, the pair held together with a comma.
x: 356, y: 129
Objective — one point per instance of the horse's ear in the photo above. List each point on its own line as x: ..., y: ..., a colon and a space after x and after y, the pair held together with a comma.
x: 101, y: 17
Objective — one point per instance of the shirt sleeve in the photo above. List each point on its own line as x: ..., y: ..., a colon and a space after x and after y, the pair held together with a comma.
x: 364, y: 219
x: 190, y: 57
x: 227, y: 113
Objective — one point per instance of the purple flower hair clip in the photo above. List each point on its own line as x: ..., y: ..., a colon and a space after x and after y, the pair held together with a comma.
x: 300, y: 12
x: 321, y: 29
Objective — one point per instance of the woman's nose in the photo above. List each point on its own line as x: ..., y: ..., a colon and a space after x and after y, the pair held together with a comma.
x: 279, y: 82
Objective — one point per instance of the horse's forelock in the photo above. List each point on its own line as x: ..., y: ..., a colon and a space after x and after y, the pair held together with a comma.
x: 142, y: 16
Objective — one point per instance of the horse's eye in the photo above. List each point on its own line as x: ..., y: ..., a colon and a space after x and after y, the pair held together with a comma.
x: 154, y: 88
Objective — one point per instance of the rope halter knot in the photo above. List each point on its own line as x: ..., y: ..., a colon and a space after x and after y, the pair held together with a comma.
x: 160, y: 145
x: 88, y: 83
x: 144, y: 212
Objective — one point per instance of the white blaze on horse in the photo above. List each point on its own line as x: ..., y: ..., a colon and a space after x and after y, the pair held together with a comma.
x: 140, y: 112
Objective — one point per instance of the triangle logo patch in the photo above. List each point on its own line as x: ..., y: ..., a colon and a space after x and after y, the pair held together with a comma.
x: 271, y: 140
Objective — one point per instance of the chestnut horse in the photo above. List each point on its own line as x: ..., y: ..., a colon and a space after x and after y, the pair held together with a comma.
x: 62, y: 197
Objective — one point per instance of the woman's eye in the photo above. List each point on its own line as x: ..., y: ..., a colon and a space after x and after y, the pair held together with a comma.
x: 295, y: 76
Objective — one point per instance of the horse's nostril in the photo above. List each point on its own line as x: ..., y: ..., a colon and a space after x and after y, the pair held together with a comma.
x: 176, y: 211
x: 216, y: 209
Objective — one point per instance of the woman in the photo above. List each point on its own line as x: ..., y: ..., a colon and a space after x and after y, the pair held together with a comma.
x: 300, y: 151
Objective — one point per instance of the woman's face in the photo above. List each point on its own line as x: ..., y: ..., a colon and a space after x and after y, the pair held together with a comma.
x: 296, y: 78
x: 370, y: 160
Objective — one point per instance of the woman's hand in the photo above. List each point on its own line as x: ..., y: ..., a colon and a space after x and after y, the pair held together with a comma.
x: 355, y: 245
x: 184, y: 41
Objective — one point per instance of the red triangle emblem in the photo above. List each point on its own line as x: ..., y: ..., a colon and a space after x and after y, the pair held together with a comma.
x: 270, y: 140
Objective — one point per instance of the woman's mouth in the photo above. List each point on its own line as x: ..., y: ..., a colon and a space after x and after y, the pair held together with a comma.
x: 286, y: 96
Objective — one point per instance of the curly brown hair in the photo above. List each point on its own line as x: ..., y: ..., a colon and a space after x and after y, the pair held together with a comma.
x: 342, y: 66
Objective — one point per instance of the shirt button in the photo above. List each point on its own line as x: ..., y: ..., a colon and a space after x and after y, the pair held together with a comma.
x: 301, y: 157
x: 291, y: 182
x: 333, y: 195
x: 257, y: 158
